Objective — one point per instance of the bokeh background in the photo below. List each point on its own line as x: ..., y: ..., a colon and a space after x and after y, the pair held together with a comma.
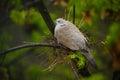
x: 21, y: 24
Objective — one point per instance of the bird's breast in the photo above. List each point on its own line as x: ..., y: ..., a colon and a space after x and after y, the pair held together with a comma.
x: 70, y: 37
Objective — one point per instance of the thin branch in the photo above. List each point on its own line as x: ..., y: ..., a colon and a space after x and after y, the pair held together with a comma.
x: 74, y: 70
x: 44, y: 12
x: 74, y: 14
x: 81, y: 21
x: 27, y: 46
x: 69, y: 13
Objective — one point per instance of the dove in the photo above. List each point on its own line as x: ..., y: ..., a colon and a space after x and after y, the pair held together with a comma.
x: 71, y: 37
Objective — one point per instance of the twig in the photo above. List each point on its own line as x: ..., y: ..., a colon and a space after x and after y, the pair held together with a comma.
x: 26, y: 46
x: 74, y: 14
x: 74, y: 70
x: 58, y: 60
x: 50, y: 68
x: 69, y: 13
x: 81, y: 21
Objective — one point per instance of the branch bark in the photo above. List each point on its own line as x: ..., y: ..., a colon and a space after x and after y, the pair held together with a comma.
x: 44, y: 12
x: 27, y: 46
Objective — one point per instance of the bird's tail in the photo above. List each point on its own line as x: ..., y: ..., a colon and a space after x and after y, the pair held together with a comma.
x: 90, y: 58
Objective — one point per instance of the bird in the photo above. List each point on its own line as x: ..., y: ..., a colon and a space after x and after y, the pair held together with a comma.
x: 71, y: 37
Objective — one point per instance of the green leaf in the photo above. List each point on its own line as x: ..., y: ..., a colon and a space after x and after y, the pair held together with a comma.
x: 18, y: 16
x: 72, y: 56
x: 113, y: 34
x: 81, y: 60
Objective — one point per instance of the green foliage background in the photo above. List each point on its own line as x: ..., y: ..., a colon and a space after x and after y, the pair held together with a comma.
x: 101, y: 26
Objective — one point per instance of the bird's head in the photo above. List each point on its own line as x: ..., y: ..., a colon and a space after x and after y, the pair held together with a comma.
x: 61, y: 21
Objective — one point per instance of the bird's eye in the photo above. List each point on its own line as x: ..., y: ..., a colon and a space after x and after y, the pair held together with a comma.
x: 58, y: 21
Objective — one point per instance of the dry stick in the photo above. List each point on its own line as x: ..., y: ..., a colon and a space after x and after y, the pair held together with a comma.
x: 81, y: 21
x: 55, y: 62
x: 51, y: 65
x: 69, y: 13
x: 65, y: 15
x: 76, y: 74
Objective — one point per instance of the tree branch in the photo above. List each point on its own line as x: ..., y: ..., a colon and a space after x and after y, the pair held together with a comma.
x: 28, y: 45
x: 44, y: 12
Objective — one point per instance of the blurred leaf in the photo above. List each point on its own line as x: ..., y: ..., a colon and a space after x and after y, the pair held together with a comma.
x: 11, y: 56
x: 96, y: 76
x: 17, y: 3
x: 5, y: 37
x: 113, y: 34
x: 37, y: 37
x: 72, y: 56
x: 18, y: 16
x: 34, y: 16
x: 33, y: 72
